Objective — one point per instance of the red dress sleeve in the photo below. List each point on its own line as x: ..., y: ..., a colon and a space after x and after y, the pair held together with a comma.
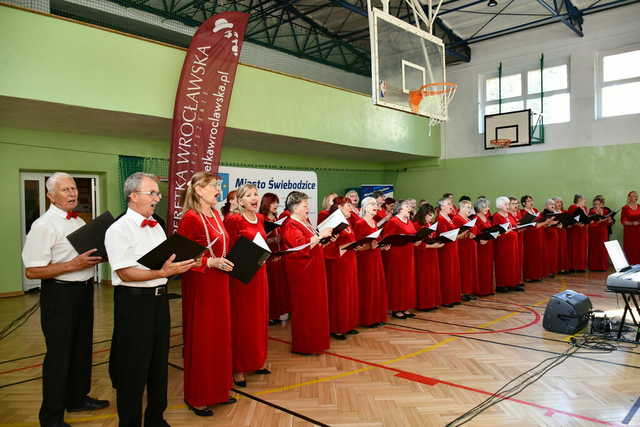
x: 192, y: 228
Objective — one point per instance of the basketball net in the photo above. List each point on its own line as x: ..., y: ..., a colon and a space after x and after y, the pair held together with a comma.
x: 500, y: 143
x: 438, y: 96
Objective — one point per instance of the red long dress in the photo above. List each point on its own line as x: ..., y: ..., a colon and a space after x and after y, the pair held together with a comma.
x: 342, y: 284
x: 279, y: 301
x: 507, y: 254
x: 598, y: 234
x: 249, y: 303
x: 307, y: 281
x: 551, y: 250
x: 578, y: 238
x: 515, y: 219
x: 533, y: 267
x: 468, y: 254
x: 631, y: 234
x: 486, y: 284
x: 371, y: 281
x: 429, y: 294
x: 206, y: 317
x: 400, y: 267
x: 450, y: 285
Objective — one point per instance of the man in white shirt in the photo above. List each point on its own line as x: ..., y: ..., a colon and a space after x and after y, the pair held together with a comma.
x: 66, y: 303
x: 140, y: 348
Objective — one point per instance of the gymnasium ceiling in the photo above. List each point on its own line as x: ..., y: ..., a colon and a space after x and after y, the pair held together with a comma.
x: 336, y: 32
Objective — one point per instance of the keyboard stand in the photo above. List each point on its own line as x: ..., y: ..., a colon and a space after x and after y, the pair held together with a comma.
x: 629, y: 296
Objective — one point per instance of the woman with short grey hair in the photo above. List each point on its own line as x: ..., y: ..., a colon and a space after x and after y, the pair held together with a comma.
x: 306, y: 277
x: 486, y: 284
x: 400, y: 265
x: 507, y: 252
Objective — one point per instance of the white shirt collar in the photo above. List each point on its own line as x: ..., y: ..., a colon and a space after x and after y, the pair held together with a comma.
x: 135, y: 216
x: 57, y: 211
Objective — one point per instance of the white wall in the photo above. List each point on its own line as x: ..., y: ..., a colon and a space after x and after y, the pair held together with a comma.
x: 603, y: 31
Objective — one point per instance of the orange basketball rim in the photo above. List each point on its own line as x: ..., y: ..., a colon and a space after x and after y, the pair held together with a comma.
x: 431, y: 89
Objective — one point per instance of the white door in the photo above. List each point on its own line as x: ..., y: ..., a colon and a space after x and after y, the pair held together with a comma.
x: 34, y: 203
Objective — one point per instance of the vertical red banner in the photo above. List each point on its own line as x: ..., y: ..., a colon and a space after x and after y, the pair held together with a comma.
x: 202, y: 103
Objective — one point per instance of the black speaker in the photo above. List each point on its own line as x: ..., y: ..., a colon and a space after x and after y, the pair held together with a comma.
x: 567, y: 313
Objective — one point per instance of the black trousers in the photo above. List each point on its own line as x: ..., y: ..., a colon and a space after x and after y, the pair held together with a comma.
x: 140, y: 356
x: 66, y: 317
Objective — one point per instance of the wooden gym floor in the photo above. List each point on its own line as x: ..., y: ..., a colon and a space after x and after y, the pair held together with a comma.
x: 420, y: 372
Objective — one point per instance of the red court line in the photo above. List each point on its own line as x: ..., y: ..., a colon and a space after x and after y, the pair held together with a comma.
x: 37, y: 365
x: 434, y: 381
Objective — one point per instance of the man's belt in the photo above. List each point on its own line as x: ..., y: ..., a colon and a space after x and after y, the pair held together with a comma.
x: 131, y: 290
x: 67, y: 282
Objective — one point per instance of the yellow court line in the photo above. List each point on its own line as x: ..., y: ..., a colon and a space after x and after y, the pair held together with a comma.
x: 316, y: 381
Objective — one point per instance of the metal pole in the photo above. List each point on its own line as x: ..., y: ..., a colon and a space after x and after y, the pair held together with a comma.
x: 500, y: 88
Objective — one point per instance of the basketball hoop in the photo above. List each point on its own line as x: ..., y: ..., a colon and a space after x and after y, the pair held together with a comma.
x: 500, y: 143
x: 443, y: 93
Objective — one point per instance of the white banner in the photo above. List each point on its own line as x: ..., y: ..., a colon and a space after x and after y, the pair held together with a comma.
x: 277, y: 181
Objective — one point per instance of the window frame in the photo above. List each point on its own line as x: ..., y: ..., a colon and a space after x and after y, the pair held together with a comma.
x: 524, y: 79
x: 600, y: 84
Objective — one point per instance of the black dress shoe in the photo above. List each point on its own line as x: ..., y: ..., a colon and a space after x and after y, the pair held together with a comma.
x: 89, y: 404
x: 273, y: 322
x: 426, y: 310
x: 409, y: 314
x: 456, y: 303
x: 206, y: 412
x: 371, y: 326
x: 242, y: 383
x: 302, y: 354
x: 353, y: 332
x: 518, y: 289
x: 230, y: 401
x: 448, y: 305
x: 340, y: 337
x: 466, y: 298
x: 502, y: 289
x: 398, y: 315
x: 263, y: 371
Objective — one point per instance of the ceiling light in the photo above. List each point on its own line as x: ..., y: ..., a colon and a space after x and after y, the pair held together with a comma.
x: 492, y: 3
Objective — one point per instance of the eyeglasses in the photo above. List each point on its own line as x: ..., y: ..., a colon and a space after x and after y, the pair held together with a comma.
x: 151, y: 193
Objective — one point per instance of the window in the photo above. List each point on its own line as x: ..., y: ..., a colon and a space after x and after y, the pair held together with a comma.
x: 522, y: 90
x: 618, y: 84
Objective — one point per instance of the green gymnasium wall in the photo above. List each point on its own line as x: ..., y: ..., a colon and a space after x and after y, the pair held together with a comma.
x: 609, y: 170
x: 75, y: 64
x: 33, y: 151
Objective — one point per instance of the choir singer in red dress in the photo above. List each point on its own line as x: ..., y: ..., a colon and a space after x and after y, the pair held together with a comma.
x: 551, y: 241
x: 564, y: 264
x: 400, y: 267
x: 206, y: 309
x: 533, y: 242
x: 598, y: 234
x: 486, y: 284
x: 249, y: 302
x: 578, y: 237
x: 451, y: 288
x: 507, y: 252
x: 306, y: 277
x: 630, y: 218
x: 277, y: 277
x: 467, y: 252
x: 371, y: 279
x: 342, y: 278
x: 428, y: 285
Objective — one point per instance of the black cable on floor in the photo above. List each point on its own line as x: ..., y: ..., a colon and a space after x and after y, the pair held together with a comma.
x: 529, y: 377
x: 19, y: 321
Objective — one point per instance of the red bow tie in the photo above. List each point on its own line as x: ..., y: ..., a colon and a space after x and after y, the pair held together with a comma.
x: 72, y: 215
x: 151, y: 223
